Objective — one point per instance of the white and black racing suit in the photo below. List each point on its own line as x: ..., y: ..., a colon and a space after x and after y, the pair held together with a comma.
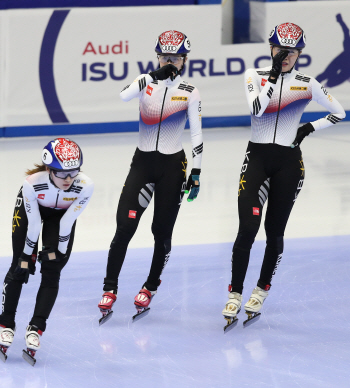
x: 159, y: 165
x: 271, y: 169
x: 41, y: 206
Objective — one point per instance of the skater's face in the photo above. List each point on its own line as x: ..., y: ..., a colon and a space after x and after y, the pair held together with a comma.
x: 63, y: 184
x: 289, y: 62
x: 176, y: 59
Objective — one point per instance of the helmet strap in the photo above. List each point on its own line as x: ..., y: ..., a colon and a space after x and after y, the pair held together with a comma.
x: 183, y: 65
x: 51, y: 180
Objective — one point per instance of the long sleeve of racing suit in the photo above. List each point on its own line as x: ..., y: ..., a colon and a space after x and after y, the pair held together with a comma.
x: 34, y: 218
x: 322, y: 97
x: 259, y: 100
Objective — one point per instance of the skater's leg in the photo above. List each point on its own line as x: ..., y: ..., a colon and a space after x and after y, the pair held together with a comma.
x: 12, y: 286
x: 50, y: 271
x: 285, y: 187
x: 169, y: 191
x: 252, y: 194
x: 134, y: 199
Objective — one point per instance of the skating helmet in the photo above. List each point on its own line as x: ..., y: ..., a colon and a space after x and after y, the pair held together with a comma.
x: 62, y: 155
x: 172, y: 42
x: 288, y: 35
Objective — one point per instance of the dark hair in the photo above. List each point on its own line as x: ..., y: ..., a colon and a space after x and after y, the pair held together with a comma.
x: 38, y: 168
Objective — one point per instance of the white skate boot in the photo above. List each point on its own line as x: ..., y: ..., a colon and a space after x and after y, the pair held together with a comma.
x: 232, y: 308
x: 106, y: 304
x: 32, y: 338
x: 254, y: 304
x: 6, y: 338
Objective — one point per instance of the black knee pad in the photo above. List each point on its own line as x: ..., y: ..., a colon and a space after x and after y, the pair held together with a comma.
x: 163, y: 243
x: 8, y: 277
x: 50, y: 278
x: 122, y: 236
x: 17, y: 277
x: 274, y: 242
x: 244, y: 240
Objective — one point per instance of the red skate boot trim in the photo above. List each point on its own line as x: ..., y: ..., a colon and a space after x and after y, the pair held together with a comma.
x: 106, y: 303
x: 229, y: 288
x: 2, y: 326
x: 267, y: 287
x: 143, y: 299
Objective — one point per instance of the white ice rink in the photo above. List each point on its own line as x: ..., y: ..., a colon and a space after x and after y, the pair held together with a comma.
x: 303, y: 336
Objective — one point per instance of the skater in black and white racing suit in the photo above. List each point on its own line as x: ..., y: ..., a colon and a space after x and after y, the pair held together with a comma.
x: 159, y: 164
x: 273, y: 168
x: 52, y: 197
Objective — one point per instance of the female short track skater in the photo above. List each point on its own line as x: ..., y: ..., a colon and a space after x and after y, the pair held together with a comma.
x: 273, y: 167
x: 52, y: 197
x: 159, y: 164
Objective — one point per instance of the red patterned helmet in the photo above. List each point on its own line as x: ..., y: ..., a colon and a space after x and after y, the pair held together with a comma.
x: 62, y: 155
x: 288, y: 35
x: 172, y: 42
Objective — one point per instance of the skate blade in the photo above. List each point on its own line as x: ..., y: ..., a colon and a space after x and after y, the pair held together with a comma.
x: 140, y: 315
x: 3, y: 355
x: 252, y: 317
x: 106, y: 318
x: 27, y: 357
x: 231, y: 323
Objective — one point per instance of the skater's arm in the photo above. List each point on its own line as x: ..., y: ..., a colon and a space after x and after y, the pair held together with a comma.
x: 322, y: 97
x: 72, y: 214
x: 136, y: 88
x: 33, y: 215
x: 195, y: 119
x: 257, y: 100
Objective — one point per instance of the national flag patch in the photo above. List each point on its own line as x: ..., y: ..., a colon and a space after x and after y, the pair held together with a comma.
x: 149, y: 90
x: 41, y: 196
x: 256, y: 211
x: 263, y: 82
x: 132, y: 213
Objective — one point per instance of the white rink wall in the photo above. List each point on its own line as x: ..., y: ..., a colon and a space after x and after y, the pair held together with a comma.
x: 62, y: 66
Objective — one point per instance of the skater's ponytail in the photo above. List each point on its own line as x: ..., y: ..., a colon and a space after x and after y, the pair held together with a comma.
x: 38, y: 168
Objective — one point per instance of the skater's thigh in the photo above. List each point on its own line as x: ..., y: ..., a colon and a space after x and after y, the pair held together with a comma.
x: 19, y: 229
x: 169, y: 192
x: 252, y: 194
x: 285, y: 188
x: 136, y: 195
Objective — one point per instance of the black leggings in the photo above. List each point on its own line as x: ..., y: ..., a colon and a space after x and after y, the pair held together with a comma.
x: 50, y: 271
x: 272, y: 172
x: 165, y: 175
